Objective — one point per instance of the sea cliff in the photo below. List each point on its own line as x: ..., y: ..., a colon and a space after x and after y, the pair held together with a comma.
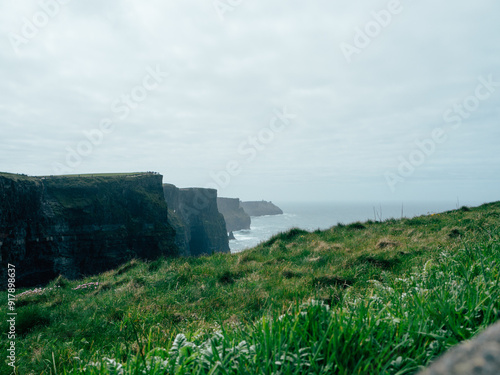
x: 261, y: 208
x: 236, y: 218
x: 200, y: 228
x: 80, y: 225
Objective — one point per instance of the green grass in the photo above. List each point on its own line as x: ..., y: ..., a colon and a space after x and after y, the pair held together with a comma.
x: 17, y: 177
x: 131, y: 174
x: 366, y: 298
x: 26, y: 177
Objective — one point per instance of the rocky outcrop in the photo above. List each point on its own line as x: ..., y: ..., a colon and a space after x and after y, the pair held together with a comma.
x: 236, y: 218
x: 479, y: 356
x: 261, y: 208
x: 81, y: 225
x: 200, y: 228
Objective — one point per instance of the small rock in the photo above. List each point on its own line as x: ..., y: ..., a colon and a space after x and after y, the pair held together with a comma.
x: 480, y: 356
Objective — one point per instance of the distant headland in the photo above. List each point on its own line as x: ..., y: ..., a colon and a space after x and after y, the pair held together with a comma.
x: 237, y: 214
x: 261, y: 208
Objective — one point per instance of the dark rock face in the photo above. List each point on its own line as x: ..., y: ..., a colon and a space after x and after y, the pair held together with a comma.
x: 261, y: 208
x: 479, y: 356
x: 236, y: 218
x: 75, y: 226
x: 200, y: 228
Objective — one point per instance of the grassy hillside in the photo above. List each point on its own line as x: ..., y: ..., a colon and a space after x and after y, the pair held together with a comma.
x: 365, y: 298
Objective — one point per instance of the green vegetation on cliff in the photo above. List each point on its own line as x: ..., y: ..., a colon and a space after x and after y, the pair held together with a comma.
x: 364, y: 298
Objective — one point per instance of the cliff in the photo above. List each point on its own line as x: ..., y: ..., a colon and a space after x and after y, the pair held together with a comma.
x: 261, y: 208
x: 236, y: 218
x: 75, y: 226
x: 200, y: 228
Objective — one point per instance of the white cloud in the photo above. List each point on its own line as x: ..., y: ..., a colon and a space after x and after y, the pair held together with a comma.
x: 228, y: 77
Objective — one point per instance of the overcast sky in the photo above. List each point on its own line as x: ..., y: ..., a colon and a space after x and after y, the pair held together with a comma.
x: 276, y: 100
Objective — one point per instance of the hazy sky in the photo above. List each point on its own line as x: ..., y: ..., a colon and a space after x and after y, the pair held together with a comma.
x: 276, y: 100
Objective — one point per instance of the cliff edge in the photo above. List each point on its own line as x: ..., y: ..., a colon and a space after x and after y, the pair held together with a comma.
x: 200, y: 227
x: 236, y: 218
x: 81, y: 225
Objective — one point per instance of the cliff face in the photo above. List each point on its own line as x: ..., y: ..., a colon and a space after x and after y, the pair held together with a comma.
x: 76, y: 226
x: 236, y: 218
x: 261, y: 208
x: 200, y: 228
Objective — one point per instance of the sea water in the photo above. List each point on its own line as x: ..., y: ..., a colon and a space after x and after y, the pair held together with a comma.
x: 312, y: 216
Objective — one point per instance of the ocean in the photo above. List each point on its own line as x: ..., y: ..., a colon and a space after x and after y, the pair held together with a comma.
x: 312, y: 216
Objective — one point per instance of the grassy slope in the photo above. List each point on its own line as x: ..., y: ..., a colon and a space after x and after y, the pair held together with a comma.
x: 399, y: 293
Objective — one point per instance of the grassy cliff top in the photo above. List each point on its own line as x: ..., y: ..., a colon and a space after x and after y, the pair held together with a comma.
x: 17, y: 177
x: 368, y: 298
x: 21, y: 177
x: 87, y: 175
